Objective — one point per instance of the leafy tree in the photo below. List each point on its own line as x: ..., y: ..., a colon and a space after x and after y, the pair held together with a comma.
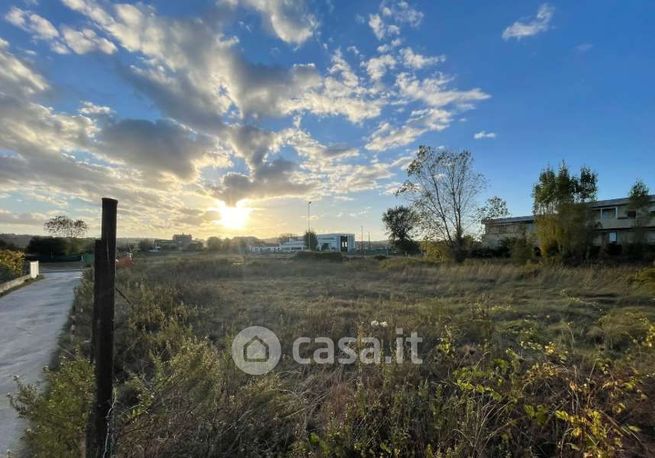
x: 401, y: 225
x: 11, y: 264
x: 553, y: 190
x: 310, y: 240
x: 564, y: 222
x: 214, y: 244
x: 639, y: 197
x: 47, y: 246
x: 442, y: 187
x: 494, y: 207
x: 63, y: 226
x: 639, y: 204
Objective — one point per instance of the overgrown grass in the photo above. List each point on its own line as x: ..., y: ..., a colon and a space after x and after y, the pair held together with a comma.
x: 517, y: 360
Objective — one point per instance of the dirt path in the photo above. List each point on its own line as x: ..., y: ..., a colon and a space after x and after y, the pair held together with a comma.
x: 31, y: 319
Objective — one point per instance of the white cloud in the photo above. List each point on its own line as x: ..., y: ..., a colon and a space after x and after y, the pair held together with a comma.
x: 584, y: 47
x: 80, y: 42
x: 434, y: 92
x: 16, y: 77
x: 40, y: 27
x: 484, y: 134
x: 531, y: 27
x: 391, y: 15
x: 21, y: 219
x: 289, y: 20
x: 388, y: 136
x: 213, y: 100
x: 311, y: 148
x: 86, y: 40
x: 418, y: 61
x: 378, y: 66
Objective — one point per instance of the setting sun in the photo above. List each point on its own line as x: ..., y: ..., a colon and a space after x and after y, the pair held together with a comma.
x: 234, y: 217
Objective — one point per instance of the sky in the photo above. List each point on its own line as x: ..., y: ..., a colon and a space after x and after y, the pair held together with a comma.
x: 225, y: 117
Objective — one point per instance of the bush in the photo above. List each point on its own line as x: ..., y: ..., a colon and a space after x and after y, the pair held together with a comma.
x: 11, y: 264
x: 58, y: 416
x: 521, y: 250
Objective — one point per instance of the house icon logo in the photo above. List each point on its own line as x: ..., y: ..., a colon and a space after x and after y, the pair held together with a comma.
x: 256, y: 350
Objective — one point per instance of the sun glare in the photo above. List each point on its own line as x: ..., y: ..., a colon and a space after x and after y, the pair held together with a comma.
x: 234, y: 217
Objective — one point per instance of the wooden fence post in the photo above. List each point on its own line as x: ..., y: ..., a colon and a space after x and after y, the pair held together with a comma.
x: 103, y: 331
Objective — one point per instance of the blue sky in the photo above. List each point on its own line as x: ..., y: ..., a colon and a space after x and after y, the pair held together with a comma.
x: 181, y: 109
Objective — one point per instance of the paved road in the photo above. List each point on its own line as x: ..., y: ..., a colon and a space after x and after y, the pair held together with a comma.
x: 31, y: 319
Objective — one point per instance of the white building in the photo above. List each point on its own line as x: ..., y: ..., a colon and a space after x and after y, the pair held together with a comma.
x: 297, y: 244
x: 344, y: 243
x: 265, y: 248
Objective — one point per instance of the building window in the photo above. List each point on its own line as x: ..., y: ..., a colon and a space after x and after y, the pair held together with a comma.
x: 608, y: 213
x: 612, y: 237
x: 631, y: 214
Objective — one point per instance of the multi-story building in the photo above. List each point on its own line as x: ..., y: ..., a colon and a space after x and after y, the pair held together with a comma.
x: 615, y: 224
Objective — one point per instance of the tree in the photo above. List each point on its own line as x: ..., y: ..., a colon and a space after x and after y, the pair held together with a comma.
x: 146, y: 245
x: 311, y: 242
x: 283, y: 238
x: 442, y: 187
x: 564, y: 222
x: 639, y: 197
x: 214, y: 244
x: 63, y: 226
x: 552, y: 190
x: 47, y: 246
x: 401, y: 225
x: 494, y: 207
x: 639, y: 208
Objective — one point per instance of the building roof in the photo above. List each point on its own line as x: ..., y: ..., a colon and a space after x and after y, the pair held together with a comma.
x: 595, y: 204
x: 513, y: 219
x: 620, y: 201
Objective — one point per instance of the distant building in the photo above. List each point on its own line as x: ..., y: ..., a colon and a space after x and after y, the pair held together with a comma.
x: 293, y: 244
x: 344, y: 243
x: 263, y: 247
x: 615, y: 224
x: 183, y: 240
x: 164, y: 244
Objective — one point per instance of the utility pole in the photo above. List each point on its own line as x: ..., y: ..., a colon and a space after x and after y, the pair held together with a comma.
x: 309, y: 226
x: 100, y: 443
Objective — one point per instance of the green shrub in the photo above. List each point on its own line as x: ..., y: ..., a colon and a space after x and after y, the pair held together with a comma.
x: 11, y: 264
x: 521, y: 250
x: 57, y: 416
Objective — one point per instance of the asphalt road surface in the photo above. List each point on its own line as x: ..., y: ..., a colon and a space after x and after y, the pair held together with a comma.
x: 31, y: 319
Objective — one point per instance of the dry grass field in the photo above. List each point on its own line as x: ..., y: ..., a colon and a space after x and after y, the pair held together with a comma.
x: 517, y: 361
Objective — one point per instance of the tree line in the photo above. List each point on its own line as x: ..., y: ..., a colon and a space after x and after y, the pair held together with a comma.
x: 442, y: 213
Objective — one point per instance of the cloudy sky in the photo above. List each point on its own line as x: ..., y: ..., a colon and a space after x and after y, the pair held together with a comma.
x: 225, y: 117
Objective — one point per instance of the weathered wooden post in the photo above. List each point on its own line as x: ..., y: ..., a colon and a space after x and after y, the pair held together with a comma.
x: 103, y: 331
